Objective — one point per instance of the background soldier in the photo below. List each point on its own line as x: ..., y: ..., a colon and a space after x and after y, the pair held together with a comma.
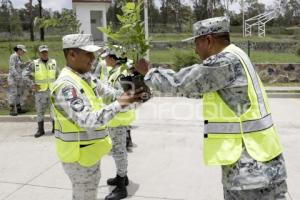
x: 239, y: 133
x: 116, y: 67
x: 41, y: 74
x: 80, y: 116
x: 14, y: 79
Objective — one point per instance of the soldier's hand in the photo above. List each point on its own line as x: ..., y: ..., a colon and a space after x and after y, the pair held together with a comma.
x: 131, y: 96
x: 142, y: 66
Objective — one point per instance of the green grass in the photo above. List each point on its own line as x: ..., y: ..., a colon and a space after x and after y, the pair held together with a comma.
x: 235, y: 37
x: 156, y: 56
x: 166, y: 56
x: 54, y: 46
x: 266, y: 57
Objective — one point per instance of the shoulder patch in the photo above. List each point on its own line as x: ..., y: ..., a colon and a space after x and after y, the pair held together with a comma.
x: 69, y: 92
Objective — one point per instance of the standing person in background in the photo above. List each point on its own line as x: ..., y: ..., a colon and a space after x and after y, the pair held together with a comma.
x: 119, y: 127
x: 41, y: 74
x: 14, y: 79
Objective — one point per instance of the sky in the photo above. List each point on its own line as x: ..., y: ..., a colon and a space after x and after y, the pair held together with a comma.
x: 59, y: 4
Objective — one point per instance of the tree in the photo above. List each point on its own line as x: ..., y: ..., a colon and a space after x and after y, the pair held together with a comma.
x: 31, y: 21
x: 67, y: 20
x: 42, y: 33
x: 131, y: 34
x: 201, y: 9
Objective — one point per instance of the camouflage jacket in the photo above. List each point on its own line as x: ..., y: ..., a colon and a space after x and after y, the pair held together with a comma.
x: 15, y: 70
x: 75, y: 105
x: 224, y: 73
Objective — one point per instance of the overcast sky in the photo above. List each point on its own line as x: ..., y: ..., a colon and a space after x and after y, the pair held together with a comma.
x: 59, y: 4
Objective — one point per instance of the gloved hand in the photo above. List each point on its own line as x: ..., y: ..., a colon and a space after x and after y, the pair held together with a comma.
x: 136, y: 81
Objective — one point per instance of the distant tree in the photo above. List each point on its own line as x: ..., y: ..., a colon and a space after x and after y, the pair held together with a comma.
x: 31, y: 21
x: 253, y: 8
x: 67, y: 20
x: 42, y: 33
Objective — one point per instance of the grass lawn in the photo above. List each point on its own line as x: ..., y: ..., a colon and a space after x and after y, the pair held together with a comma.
x: 166, y: 56
x: 55, y: 52
x: 156, y: 56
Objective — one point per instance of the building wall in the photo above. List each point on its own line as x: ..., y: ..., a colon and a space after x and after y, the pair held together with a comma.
x: 83, y: 14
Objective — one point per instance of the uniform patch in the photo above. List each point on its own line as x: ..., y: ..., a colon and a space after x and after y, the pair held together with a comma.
x: 77, y: 104
x: 69, y: 92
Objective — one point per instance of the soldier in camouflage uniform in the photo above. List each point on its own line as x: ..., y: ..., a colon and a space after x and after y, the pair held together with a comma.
x: 224, y: 72
x: 115, y: 68
x: 15, y: 83
x: 40, y: 75
x: 80, y: 116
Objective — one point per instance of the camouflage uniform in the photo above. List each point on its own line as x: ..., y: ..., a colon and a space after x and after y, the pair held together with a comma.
x: 118, y: 136
x: 14, y: 80
x: 224, y: 73
x: 42, y: 98
x: 85, y: 179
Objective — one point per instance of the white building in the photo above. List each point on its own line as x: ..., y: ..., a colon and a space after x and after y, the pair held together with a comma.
x: 92, y: 14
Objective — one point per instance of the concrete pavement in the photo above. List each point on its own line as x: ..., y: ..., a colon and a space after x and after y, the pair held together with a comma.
x: 166, y: 162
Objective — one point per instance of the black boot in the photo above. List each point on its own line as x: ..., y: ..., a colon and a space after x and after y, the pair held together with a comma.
x: 12, y: 110
x: 41, y: 130
x: 20, y: 110
x: 120, y: 192
x: 129, y: 143
x: 114, y: 181
x: 52, y: 126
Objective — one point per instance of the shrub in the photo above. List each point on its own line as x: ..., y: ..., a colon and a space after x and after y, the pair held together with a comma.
x: 184, y: 58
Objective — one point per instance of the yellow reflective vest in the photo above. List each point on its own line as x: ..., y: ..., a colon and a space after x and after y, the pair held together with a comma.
x: 44, y: 73
x: 225, y: 133
x: 73, y: 143
x: 122, y: 118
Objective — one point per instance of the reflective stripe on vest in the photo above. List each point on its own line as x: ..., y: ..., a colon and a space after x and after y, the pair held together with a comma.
x: 250, y: 68
x: 80, y: 136
x: 73, y: 143
x: 235, y: 127
x: 225, y: 133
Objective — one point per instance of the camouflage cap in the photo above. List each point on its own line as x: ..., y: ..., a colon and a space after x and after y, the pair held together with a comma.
x: 80, y: 41
x: 118, y: 51
x: 20, y: 46
x: 43, y: 48
x: 210, y: 26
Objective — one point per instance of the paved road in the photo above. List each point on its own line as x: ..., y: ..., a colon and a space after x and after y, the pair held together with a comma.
x: 166, y: 162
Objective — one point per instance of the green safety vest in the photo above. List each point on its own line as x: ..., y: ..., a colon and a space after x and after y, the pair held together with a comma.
x: 225, y: 133
x: 44, y: 74
x: 122, y: 118
x: 73, y: 143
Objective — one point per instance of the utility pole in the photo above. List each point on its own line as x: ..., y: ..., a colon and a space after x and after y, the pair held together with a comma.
x: 146, y: 26
x: 42, y: 33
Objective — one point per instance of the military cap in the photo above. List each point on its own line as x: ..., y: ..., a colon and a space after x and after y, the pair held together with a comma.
x: 43, y: 48
x: 20, y: 46
x: 80, y: 41
x: 210, y: 26
x: 116, y: 50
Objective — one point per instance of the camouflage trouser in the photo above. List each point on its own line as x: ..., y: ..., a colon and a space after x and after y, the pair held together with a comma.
x: 14, y: 91
x: 276, y: 191
x: 119, y: 152
x: 42, y: 102
x: 84, y: 180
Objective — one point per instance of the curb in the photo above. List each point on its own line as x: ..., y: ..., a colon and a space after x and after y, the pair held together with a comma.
x: 22, y: 118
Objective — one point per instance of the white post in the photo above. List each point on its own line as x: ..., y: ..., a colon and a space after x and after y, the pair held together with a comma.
x: 146, y: 26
